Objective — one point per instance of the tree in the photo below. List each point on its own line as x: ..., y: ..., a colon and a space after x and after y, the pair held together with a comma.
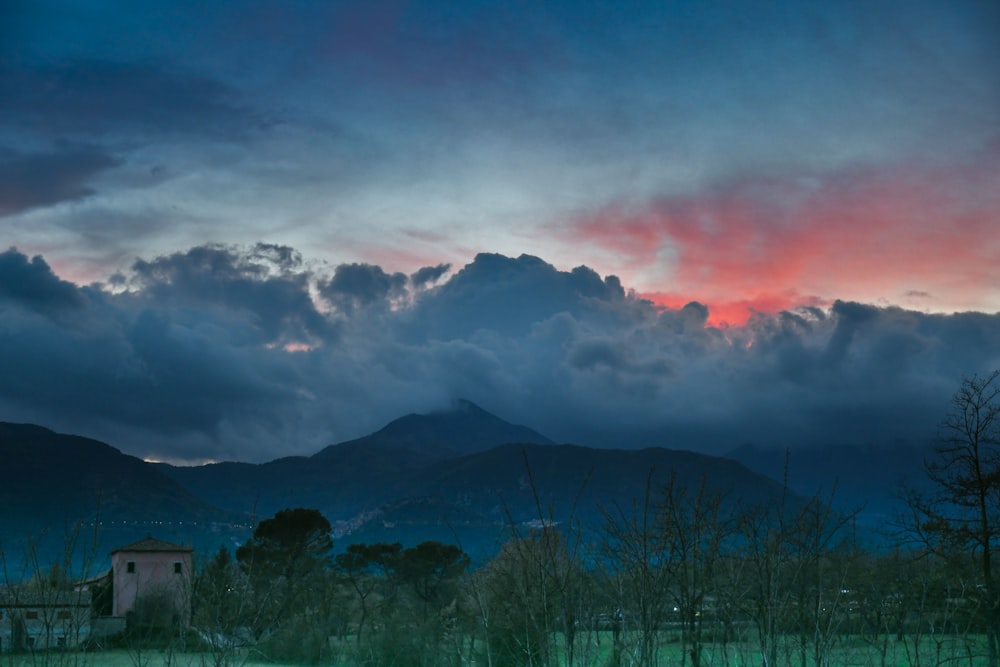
x: 964, y: 513
x: 289, y: 544
x: 407, y: 602
x: 223, y: 607
x: 524, y: 587
x: 429, y: 613
x: 665, y: 555
x: 637, y: 551
x: 432, y: 569
x: 361, y: 565
x: 286, y: 562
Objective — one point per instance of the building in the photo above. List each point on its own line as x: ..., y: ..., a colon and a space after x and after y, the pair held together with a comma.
x: 154, y: 577
x: 149, y: 581
x: 38, y: 619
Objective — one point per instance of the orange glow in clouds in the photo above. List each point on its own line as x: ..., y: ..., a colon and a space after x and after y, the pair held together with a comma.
x: 766, y: 245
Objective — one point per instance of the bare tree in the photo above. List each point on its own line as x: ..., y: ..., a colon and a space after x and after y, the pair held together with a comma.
x: 963, y: 514
x: 638, y: 552
x: 44, y: 609
x: 224, y: 611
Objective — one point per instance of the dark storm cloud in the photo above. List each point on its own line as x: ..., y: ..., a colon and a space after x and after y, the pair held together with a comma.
x: 612, y: 355
x: 509, y: 296
x: 143, y: 373
x: 689, y: 319
x: 355, y: 286
x: 601, y: 367
x: 220, y: 352
x: 42, y: 179
x: 862, y: 374
x: 33, y: 285
x: 192, y: 356
x: 87, y: 96
x: 263, y: 283
x: 428, y: 274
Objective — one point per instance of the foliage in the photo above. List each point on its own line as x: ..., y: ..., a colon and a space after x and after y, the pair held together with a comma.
x: 285, y: 564
x: 522, y: 597
x: 291, y: 543
x: 407, y: 601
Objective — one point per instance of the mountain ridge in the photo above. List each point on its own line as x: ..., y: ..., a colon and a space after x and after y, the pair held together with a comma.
x: 449, y: 474
x: 446, y: 432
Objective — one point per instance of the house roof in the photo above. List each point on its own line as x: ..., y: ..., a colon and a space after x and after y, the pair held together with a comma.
x: 153, y: 544
x: 14, y: 597
x: 82, y: 584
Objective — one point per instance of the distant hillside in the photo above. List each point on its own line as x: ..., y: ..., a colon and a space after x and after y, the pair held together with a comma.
x: 69, y: 477
x: 571, y: 479
x: 462, y: 475
x: 50, y: 482
x: 867, y: 477
x: 464, y: 429
x: 343, y: 478
x: 477, y: 499
x: 563, y: 473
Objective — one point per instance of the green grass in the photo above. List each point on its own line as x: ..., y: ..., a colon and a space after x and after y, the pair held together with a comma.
x: 595, y: 650
x: 121, y: 658
x: 844, y: 651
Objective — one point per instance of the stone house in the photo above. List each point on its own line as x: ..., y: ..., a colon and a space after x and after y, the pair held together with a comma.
x: 154, y: 577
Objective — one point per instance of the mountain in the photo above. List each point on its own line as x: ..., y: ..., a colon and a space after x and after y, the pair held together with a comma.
x: 354, y: 475
x: 478, y: 499
x: 461, y: 475
x: 868, y: 477
x: 51, y: 482
x: 464, y: 429
x: 571, y: 479
x: 84, y: 479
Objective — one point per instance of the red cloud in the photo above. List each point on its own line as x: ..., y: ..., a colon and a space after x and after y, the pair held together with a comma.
x: 735, y: 312
x: 766, y: 244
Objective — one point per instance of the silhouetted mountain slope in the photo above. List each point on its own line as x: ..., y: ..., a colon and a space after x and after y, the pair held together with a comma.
x: 478, y: 499
x: 867, y: 477
x: 414, y: 464
x: 353, y: 475
x: 464, y: 429
x: 51, y: 482
x: 451, y: 476
x: 340, y: 482
x: 572, y: 479
x: 71, y: 477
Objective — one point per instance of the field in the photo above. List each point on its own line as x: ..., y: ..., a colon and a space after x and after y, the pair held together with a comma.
x: 596, y: 650
x: 122, y: 659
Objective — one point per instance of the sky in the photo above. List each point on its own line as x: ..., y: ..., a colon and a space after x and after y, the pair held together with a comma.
x: 243, y: 230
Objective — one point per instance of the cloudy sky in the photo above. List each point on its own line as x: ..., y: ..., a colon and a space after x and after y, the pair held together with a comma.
x: 239, y: 230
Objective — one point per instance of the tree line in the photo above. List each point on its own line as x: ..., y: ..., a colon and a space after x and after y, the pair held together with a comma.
x: 682, y: 577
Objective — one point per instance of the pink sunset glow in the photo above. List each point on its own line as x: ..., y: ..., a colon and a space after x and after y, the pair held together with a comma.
x: 765, y: 245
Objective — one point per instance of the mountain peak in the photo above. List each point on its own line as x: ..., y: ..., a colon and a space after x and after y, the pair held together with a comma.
x: 462, y: 428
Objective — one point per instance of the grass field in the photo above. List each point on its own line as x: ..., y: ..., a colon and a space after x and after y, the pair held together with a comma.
x: 122, y: 659
x: 595, y: 650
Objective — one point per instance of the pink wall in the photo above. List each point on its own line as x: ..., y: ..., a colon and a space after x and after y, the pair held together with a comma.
x: 154, y: 571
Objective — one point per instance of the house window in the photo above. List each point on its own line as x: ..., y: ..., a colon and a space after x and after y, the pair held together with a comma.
x: 31, y: 615
x: 130, y: 566
x: 63, y: 615
x: 61, y: 642
x: 177, y: 567
x: 29, y: 642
